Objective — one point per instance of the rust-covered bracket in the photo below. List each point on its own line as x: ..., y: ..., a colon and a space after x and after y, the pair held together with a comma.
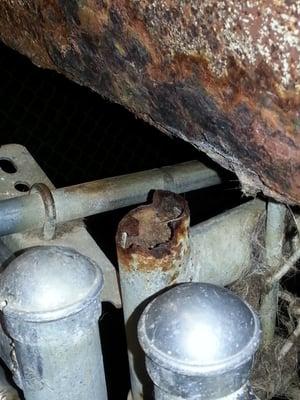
x: 223, y: 75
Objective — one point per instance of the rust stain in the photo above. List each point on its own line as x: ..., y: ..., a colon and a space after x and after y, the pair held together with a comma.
x: 92, y: 17
x: 223, y: 75
x: 155, y: 235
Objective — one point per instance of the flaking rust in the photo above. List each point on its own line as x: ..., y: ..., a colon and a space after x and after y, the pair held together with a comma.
x: 155, y: 236
x: 223, y: 75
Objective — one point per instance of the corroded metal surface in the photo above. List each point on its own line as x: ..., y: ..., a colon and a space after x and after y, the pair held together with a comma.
x: 224, y: 75
x: 23, y: 213
x: 153, y: 248
x: 155, y: 236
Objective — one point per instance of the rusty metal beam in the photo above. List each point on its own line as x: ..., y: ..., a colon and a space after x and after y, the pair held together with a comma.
x: 223, y: 75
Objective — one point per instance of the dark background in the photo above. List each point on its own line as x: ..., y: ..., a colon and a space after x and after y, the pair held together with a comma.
x: 77, y: 136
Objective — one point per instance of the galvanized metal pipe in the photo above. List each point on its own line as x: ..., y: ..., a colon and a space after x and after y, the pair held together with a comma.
x: 28, y: 212
x: 153, y: 253
x: 221, y: 251
x: 50, y: 299
x: 275, y: 230
x: 245, y: 393
x: 199, y: 340
x: 7, y: 391
x: 223, y: 246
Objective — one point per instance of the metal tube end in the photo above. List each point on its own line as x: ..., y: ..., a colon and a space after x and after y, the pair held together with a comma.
x: 199, y: 339
x: 48, y: 283
x: 154, y: 236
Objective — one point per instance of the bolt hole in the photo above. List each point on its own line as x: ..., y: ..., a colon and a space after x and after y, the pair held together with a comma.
x: 22, y: 187
x: 7, y: 166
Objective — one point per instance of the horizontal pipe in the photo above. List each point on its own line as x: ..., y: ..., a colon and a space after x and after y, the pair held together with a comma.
x: 27, y: 212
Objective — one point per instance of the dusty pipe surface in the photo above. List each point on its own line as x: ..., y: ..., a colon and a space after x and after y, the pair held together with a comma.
x: 153, y: 252
x: 199, y: 340
x: 224, y: 247
x: 50, y: 299
x: 7, y: 392
x: 75, y: 202
x: 223, y: 75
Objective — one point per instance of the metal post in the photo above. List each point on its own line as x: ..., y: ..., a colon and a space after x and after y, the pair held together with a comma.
x: 28, y: 212
x: 153, y: 252
x: 275, y: 229
x: 50, y: 299
x: 225, y: 240
x: 199, y: 340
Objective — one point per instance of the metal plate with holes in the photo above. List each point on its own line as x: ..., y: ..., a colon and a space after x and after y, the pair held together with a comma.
x: 18, y: 173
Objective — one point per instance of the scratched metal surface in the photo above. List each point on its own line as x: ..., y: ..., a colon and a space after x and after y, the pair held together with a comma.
x: 223, y: 75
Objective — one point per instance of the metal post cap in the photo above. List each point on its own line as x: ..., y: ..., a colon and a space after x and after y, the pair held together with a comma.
x: 199, y: 329
x: 49, y: 282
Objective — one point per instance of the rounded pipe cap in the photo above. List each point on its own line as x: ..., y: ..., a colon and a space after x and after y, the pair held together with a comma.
x: 198, y: 328
x: 49, y: 282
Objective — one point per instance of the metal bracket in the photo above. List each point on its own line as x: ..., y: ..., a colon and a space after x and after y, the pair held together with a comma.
x: 71, y: 234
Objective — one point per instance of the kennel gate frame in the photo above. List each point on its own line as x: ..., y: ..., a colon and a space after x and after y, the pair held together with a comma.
x: 241, y: 220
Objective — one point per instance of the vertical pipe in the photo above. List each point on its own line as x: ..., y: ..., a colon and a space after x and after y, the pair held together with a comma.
x: 275, y: 230
x: 52, y: 306
x: 199, y: 340
x: 153, y: 253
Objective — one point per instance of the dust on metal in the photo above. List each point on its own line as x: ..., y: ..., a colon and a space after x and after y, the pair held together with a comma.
x: 21, y: 213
